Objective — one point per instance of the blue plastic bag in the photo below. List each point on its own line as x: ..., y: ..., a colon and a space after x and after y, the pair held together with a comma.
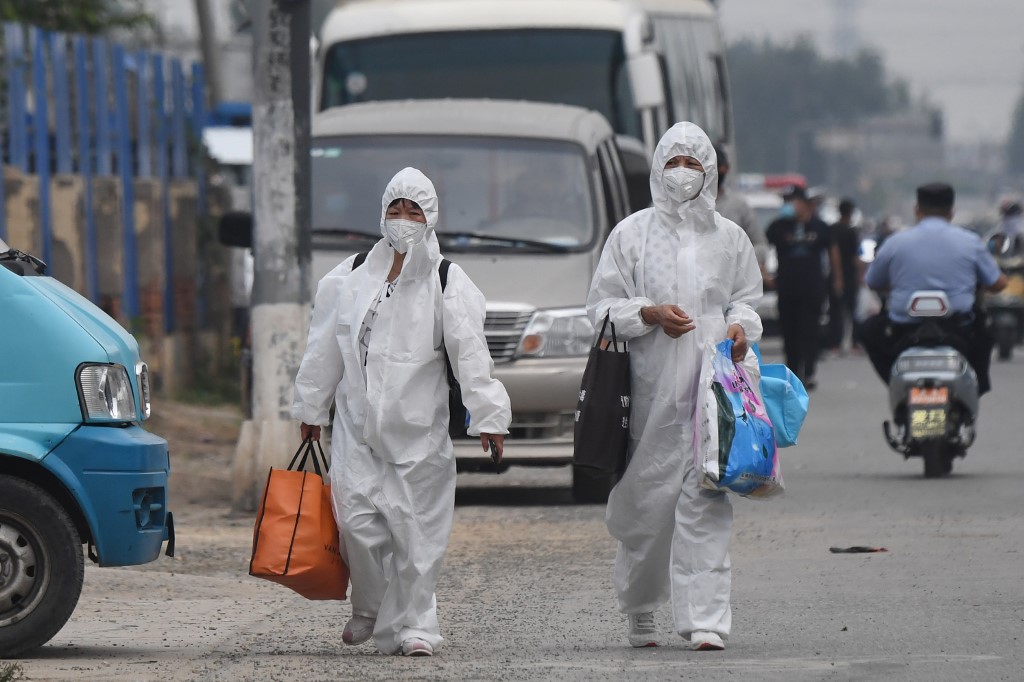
x: 785, y: 400
x: 735, y: 442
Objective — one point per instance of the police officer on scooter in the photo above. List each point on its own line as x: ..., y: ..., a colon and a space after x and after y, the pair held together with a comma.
x: 933, y: 255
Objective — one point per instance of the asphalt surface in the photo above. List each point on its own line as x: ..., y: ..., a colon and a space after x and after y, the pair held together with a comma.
x: 526, y: 593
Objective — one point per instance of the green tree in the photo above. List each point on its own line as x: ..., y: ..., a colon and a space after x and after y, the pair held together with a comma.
x: 1016, y: 143
x: 78, y: 16
x: 782, y: 93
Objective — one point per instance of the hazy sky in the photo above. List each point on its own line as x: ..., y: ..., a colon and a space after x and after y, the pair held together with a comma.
x: 966, y: 55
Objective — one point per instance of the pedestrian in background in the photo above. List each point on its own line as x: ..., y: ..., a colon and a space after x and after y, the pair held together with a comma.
x: 803, y: 246
x: 674, y: 279
x: 733, y: 206
x: 845, y: 281
x: 376, y: 349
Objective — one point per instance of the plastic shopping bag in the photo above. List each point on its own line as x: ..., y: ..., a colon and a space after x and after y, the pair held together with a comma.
x: 295, y: 542
x: 868, y: 304
x: 785, y: 400
x: 735, y: 442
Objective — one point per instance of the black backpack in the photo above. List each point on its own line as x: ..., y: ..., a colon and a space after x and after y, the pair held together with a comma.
x: 458, y: 419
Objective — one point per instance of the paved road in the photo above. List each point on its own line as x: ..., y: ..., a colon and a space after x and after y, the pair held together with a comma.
x: 526, y: 596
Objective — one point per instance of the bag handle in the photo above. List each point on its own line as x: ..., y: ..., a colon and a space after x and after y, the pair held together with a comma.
x: 306, y: 449
x: 604, y: 326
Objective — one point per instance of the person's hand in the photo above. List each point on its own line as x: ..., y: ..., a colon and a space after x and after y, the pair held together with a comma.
x: 739, y: 342
x: 672, y: 319
x: 309, y: 431
x: 499, y: 441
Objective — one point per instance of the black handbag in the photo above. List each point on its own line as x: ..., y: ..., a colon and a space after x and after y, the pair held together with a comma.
x: 601, y: 432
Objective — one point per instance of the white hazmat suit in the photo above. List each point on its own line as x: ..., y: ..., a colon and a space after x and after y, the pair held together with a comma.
x: 673, y: 536
x: 393, y: 473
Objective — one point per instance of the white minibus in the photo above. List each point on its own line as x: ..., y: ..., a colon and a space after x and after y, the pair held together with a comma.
x: 642, y: 64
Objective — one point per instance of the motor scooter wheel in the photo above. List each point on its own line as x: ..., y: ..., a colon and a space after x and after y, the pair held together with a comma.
x: 938, y: 459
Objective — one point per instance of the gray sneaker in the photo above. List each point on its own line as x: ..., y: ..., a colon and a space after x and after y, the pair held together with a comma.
x: 358, y: 630
x: 642, y: 632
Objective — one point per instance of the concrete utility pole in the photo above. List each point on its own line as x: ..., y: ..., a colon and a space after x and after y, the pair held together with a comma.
x: 281, y: 241
x: 208, y: 46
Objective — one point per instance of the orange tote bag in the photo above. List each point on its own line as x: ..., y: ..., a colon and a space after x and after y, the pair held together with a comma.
x: 295, y: 541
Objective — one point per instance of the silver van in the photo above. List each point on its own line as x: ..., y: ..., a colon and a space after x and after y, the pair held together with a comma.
x: 528, y: 194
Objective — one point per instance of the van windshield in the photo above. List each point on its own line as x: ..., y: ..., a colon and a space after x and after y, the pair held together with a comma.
x: 494, y: 193
x: 585, y: 68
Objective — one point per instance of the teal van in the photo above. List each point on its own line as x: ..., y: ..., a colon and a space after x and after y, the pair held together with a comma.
x: 76, y: 466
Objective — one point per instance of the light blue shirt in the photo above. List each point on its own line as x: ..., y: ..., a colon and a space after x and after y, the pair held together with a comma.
x: 933, y: 255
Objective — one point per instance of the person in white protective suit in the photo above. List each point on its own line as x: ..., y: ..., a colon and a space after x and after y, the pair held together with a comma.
x: 375, y: 349
x: 674, y: 279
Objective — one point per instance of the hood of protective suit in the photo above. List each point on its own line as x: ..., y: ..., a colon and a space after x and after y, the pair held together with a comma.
x: 412, y: 184
x: 686, y: 139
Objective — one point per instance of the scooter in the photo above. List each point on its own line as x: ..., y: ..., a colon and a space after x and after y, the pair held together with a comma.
x: 1007, y: 306
x: 933, y: 391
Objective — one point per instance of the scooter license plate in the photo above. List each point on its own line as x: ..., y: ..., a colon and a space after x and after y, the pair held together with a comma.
x: 938, y: 396
x: 928, y: 408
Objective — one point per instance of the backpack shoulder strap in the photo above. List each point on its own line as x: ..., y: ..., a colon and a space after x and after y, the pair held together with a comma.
x: 442, y: 269
x: 442, y: 272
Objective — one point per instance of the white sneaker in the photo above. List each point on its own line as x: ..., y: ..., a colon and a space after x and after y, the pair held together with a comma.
x: 414, y: 646
x: 642, y: 632
x: 703, y: 640
x: 358, y: 630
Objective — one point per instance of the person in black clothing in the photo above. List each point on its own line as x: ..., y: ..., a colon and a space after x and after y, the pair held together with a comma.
x: 845, y: 280
x: 802, y: 243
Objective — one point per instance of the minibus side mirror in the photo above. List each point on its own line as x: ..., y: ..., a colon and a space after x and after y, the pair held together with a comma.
x: 235, y: 229
x: 645, y: 78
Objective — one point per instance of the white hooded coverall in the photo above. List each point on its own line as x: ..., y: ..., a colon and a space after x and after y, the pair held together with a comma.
x: 673, y: 536
x: 393, y: 468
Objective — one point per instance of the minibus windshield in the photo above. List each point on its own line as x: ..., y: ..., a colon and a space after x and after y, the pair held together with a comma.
x: 495, y: 194
x: 585, y: 68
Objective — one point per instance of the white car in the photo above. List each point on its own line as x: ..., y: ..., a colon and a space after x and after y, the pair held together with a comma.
x: 766, y: 207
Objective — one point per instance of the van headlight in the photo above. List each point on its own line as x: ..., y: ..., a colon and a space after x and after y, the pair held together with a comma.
x: 557, y: 334
x: 105, y: 392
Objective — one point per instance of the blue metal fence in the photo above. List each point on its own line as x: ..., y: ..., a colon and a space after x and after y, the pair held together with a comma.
x: 74, y: 114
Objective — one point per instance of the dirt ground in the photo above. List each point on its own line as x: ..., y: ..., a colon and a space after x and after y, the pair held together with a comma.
x: 202, y: 441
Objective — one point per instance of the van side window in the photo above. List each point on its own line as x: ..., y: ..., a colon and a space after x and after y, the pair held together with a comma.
x: 620, y: 179
x: 613, y: 200
x: 637, y: 171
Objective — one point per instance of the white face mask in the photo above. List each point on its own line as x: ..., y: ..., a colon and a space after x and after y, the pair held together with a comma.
x: 683, y: 184
x: 404, y: 234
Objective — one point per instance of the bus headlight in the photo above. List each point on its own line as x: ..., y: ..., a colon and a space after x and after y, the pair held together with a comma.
x: 105, y: 393
x: 557, y: 334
